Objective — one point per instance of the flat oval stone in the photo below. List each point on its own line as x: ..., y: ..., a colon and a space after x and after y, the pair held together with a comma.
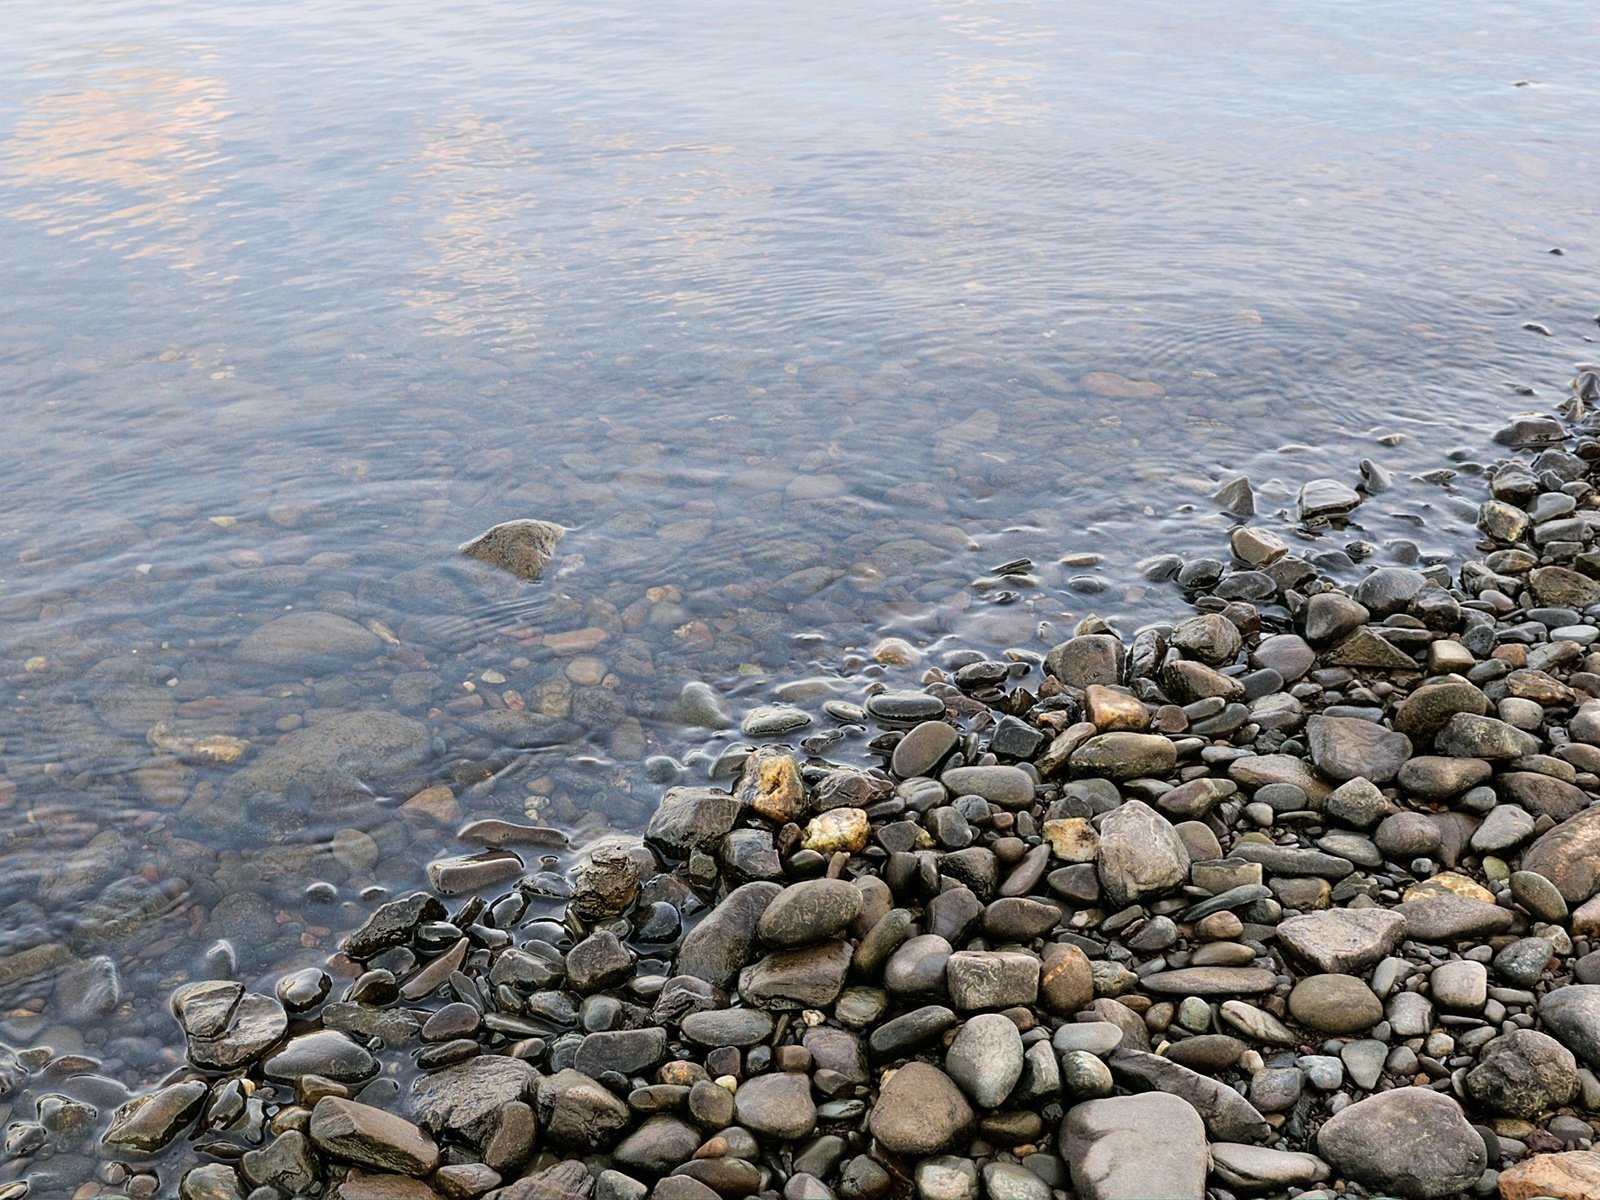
x: 901, y: 708
x: 1338, y: 1004
x: 326, y: 1053
x: 728, y: 1027
x: 773, y: 719
x: 1009, y: 787
x: 923, y: 749
x: 1211, y: 981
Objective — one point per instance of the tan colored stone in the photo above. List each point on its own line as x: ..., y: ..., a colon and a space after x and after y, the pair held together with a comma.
x: 1451, y: 883
x: 1072, y: 839
x: 1110, y: 709
x: 437, y: 804
x: 1573, y: 1175
x: 1066, y: 980
x: 771, y: 785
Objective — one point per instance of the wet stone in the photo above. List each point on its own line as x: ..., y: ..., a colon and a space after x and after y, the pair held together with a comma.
x: 326, y: 1053
x: 923, y: 749
x: 149, y: 1123
x: 225, y: 1025
x: 774, y: 720
x: 369, y: 1137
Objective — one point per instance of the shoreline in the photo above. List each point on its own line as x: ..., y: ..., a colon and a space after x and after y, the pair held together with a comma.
x: 1223, y: 901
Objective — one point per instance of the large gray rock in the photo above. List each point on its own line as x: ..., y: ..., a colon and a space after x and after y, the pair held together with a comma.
x: 1255, y: 1169
x: 691, y: 818
x: 1141, y: 854
x: 776, y: 1106
x: 1135, y: 1148
x: 807, y: 977
x: 521, y: 547
x: 1411, y: 1142
x: 308, y: 641
x: 986, y: 1059
x: 1448, y: 918
x: 1343, y: 941
x: 1569, y: 856
x: 1572, y: 1016
x: 1344, y: 748
x: 579, y: 1114
x: 1469, y: 736
x: 369, y: 1137
x: 343, y: 757
x: 724, y: 942
x: 1091, y: 658
x: 809, y: 911
x: 1523, y: 1074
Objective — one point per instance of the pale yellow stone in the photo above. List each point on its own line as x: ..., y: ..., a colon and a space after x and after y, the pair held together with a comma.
x: 895, y: 652
x: 381, y: 631
x: 1449, y: 883
x: 586, y: 670
x: 1072, y: 839
x: 838, y: 829
x: 202, y: 748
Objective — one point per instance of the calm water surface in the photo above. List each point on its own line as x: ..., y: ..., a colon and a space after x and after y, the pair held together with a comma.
x: 802, y: 317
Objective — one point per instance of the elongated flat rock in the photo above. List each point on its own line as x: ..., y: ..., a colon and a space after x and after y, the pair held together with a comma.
x: 1211, y: 981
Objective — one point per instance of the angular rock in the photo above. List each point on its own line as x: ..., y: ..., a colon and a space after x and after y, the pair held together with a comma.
x: 1345, y: 748
x: 1571, y: 1175
x: 1135, y: 1148
x: 465, y: 1100
x: 522, y: 547
x: 1522, y: 1074
x: 576, y: 1113
x: 986, y: 1059
x: 369, y: 1137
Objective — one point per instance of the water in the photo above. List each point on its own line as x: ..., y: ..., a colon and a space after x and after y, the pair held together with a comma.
x: 802, y: 318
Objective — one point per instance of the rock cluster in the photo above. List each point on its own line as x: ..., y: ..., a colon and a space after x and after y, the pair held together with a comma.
x: 1298, y: 893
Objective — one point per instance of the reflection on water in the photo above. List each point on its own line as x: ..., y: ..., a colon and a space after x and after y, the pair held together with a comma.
x: 802, y: 321
x: 128, y: 158
x: 481, y: 282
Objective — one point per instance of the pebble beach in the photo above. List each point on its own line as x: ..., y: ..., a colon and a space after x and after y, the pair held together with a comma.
x: 1295, y: 894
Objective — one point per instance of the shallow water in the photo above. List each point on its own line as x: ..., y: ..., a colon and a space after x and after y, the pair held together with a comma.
x: 803, y: 319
